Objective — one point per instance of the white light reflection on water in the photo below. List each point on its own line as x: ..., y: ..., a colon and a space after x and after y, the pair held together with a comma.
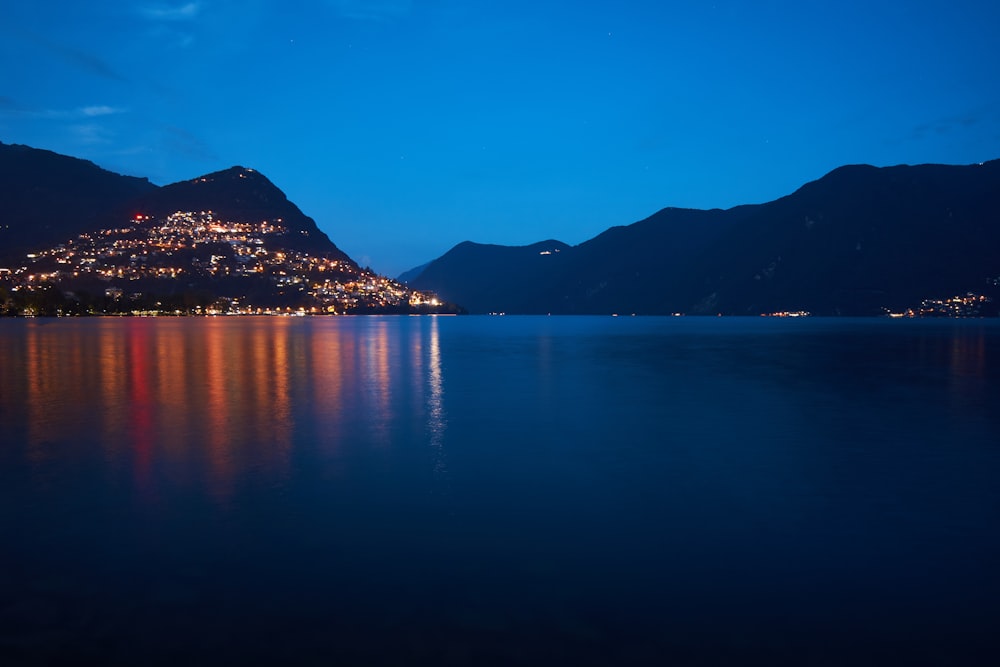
x: 377, y: 381
x: 436, y: 417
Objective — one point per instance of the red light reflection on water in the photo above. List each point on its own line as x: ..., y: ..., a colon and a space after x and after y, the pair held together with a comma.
x: 207, y: 404
x: 186, y: 402
x: 140, y: 400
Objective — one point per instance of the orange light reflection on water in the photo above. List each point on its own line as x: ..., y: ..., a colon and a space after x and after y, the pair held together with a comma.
x: 180, y: 402
x: 208, y: 403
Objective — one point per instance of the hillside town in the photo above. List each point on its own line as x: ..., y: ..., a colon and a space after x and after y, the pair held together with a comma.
x: 194, y: 263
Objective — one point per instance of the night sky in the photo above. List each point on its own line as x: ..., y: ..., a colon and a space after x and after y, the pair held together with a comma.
x: 406, y: 126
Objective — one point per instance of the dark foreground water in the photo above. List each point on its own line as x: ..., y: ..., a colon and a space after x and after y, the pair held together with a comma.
x: 480, y: 491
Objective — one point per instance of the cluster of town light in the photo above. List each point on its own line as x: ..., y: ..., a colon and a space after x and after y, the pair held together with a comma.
x: 192, y: 244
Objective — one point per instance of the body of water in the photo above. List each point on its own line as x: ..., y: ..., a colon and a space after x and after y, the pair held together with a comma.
x: 505, y: 490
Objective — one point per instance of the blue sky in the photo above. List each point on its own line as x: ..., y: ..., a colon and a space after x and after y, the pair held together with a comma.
x: 406, y: 126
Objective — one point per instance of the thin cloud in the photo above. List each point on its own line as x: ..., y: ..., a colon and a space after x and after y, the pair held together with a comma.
x: 90, y: 134
x: 76, y: 57
x: 9, y: 107
x: 100, y: 110
x: 172, y: 25
x: 372, y: 10
x: 87, y: 61
x: 945, y: 125
x: 81, y: 59
x: 182, y: 142
x: 185, y: 12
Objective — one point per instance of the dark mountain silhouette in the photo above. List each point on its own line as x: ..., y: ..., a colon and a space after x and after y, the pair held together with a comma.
x: 47, y: 197
x: 237, y: 194
x: 50, y: 198
x: 500, y: 278
x: 407, y: 276
x: 79, y: 240
x: 856, y: 241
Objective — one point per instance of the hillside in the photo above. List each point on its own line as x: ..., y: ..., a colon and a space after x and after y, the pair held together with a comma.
x: 48, y: 197
x: 855, y: 242
x: 80, y: 240
x: 237, y: 194
x: 492, y: 278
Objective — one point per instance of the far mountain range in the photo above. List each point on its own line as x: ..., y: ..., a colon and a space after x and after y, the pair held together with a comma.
x: 859, y: 241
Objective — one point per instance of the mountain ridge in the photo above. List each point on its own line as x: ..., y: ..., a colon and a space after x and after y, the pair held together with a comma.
x: 48, y: 196
x: 240, y: 194
x: 860, y: 240
x: 80, y: 240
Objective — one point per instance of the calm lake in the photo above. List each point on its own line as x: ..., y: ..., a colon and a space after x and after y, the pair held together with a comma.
x: 499, y: 491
